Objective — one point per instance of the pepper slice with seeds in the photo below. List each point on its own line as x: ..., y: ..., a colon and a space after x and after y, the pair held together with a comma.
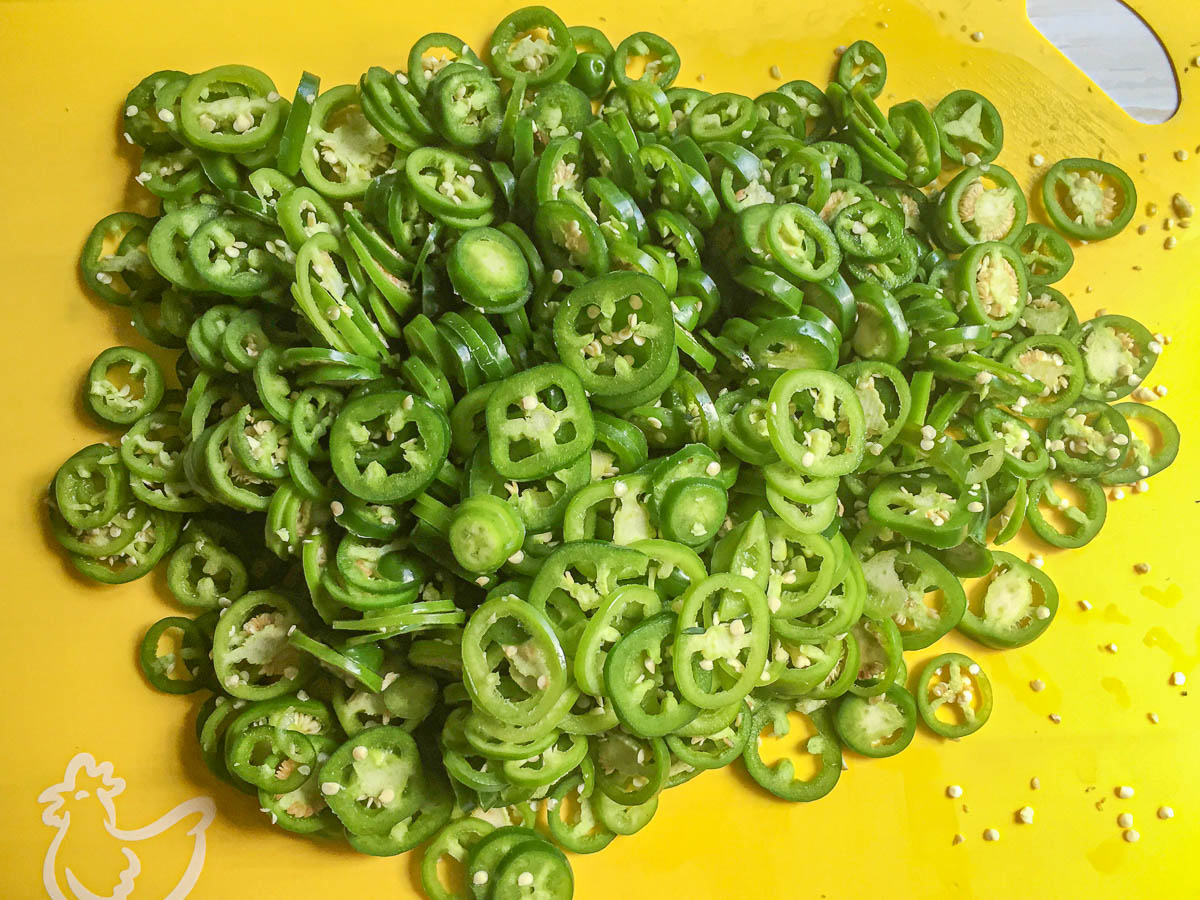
x: 616, y: 333
x: 387, y: 447
x: 1018, y: 604
x: 639, y: 680
x: 1087, y: 439
x: 1024, y: 450
x: 230, y: 109
x: 954, y: 696
x: 879, y: 726
x: 251, y: 654
x: 724, y: 660
x: 1143, y: 457
x: 991, y: 284
x: 1088, y: 199
x: 898, y: 583
x: 932, y: 509
x: 538, y: 422
x: 574, y: 579
x: 980, y: 204
x: 531, y: 656
x: 816, y: 423
x: 1118, y: 354
x: 1054, y: 362
x: 372, y: 781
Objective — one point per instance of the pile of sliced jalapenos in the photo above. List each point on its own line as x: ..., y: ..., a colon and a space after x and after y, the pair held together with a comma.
x: 547, y: 434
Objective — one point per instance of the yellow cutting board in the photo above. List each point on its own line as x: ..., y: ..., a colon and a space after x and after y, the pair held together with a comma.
x: 71, y: 685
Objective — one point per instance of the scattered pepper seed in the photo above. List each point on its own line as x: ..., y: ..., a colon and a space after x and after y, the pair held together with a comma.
x: 991, y: 834
x: 1084, y: 605
x: 1037, y: 685
x: 1110, y: 647
x: 1037, y: 160
x: 1131, y: 836
x: 1161, y: 390
x: 1125, y: 820
x: 1153, y: 717
x: 1142, y: 568
x: 1182, y: 206
x: 1143, y: 156
x: 775, y: 73
x: 954, y: 792
x: 1124, y: 792
x: 1025, y: 815
x: 977, y: 36
x: 1178, y: 679
x: 1165, y: 812
x: 1035, y: 783
x: 958, y: 839
x: 1056, y: 718
x: 1170, y: 242
x: 1143, y: 228
x: 1181, y: 155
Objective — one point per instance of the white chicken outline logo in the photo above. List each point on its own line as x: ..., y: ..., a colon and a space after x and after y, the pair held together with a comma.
x: 113, y: 786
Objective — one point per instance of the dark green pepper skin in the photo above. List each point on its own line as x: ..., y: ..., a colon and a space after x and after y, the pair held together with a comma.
x: 591, y: 74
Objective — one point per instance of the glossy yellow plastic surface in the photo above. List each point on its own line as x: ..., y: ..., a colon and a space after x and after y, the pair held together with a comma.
x: 70, y: 682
